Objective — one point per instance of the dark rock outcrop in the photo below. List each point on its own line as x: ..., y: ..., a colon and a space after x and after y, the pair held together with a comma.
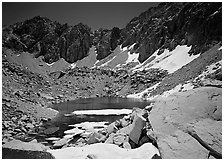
x: 75, y: 43
x: 25, y: 150
x: 48, y: 38
x: 8, y: 153
x: 163, y: 27
x: 106, y: 41
x: 172, y: 24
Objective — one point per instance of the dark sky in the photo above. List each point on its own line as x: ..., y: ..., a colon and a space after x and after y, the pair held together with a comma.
x: 94, y: 14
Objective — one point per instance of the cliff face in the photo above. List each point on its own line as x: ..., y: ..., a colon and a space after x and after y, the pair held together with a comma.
x: 172, y: 24
x: 106, y: 41
x: 50, y: 39
x: 163, y: 27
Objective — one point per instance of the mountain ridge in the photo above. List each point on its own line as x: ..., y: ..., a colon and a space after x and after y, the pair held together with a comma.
x: 162, y: 27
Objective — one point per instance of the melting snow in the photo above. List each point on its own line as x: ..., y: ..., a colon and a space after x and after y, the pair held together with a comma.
x: 140, y: 67
x: 104, y: 64
x: 178, y: 88
x: 90, y: 125
x: 125, y: 48
x: 175, y: 59
x: 75, y: 131
x: 210, y: 69
x: 94, y: 65
x: 103, y: 112
x: 132, y: 57
x: 105, y: 151
x: 132, y: 46
x: 170, y: 61
x: 214, y: 13
x: 73, y: 65
x: 50, y: 64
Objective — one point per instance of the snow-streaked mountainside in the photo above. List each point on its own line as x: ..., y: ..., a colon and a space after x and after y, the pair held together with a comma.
x: 119, y: 57
x: 122, y: 57
x: 150, y: 90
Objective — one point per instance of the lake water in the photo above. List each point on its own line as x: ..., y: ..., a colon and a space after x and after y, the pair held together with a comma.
x: 99, y: 104
x: 107, y: 109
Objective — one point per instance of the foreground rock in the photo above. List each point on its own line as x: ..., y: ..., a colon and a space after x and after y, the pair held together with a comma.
x: 189, y: 124
x: 17, y: 149
x: 105, y: 151
x: 8, y: 153
x: 32, y: 146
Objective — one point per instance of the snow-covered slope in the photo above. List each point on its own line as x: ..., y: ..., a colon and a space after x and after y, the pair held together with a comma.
x: 168, y: 60
x: 206, y: 67
x: 118, y: 58
x: 121, y: 57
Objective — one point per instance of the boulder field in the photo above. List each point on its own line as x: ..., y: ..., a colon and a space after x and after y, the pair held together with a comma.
x: 183, y: 125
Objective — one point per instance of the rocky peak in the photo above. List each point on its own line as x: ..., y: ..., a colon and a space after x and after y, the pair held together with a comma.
x: 172, y: 24
x: 106, y: 41
x: 50, y: 39
x: 162, y: 27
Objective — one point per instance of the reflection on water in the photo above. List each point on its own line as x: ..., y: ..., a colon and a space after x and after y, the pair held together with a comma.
x: 63, y: 118
x: 99, y: 103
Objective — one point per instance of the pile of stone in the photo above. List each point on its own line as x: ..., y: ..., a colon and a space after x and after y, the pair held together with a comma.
x: 18, y: 127
x: 130, y: 132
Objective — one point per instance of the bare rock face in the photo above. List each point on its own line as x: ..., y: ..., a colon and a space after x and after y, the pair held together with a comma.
x: 163, y: 27
x: 17, y: 149
x: 49, y: 39
x: 175, y: 117
x: 17, y: 144
x: 172, y: 24
x: 106, y: 41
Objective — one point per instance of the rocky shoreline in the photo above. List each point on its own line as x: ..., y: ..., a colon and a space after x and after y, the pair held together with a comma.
x: 170, y: 54
x: 184, y: 124
x: 130, y: 132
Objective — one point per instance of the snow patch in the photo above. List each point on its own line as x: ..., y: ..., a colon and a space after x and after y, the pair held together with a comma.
x: 123, y: 49
x: 105, y: 151
x: 178, y: 88
x: 214, y: 13
x: 55, y: 111
x: 50, y: 64
x: 143, y: 65
x: 74, y: 131
x: 52, y: 139
x: 94, y: 65
x: 170, y: 61
x: 103, y: 112
x: 91, y: 125
x: 104, y: 64
x: 210, y: 69
x: 132, y: 58
x: 132, y: 46
x: 73, y: 65
x: 175, y: 59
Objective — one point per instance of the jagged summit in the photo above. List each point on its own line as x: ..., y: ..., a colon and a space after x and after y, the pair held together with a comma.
x: 66, y: 87
x: 162, y: 27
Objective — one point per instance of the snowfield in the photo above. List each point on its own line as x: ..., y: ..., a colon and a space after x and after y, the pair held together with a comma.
x: 105, y: 151
x: 103, y: 112
x: 168, y: 60
x: 132, y: 58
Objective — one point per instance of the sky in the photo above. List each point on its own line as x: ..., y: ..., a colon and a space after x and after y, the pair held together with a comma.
x: 94, y: 14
